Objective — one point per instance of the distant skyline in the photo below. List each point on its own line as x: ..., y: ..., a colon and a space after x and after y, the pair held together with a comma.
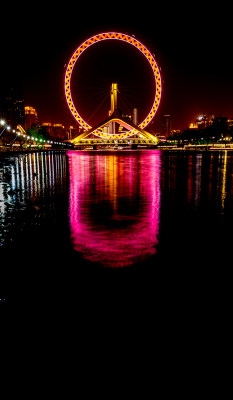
x: 192, y: 46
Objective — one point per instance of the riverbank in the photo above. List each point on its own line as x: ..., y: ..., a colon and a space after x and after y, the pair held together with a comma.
x: 198, y: 147
x: 6, y: 151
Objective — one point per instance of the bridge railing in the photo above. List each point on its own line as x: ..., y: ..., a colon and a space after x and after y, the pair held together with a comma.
x: 11, y: 136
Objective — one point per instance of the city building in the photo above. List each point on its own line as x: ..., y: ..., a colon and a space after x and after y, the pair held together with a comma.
x: 204, y: 120
x: 12, y: 106
x: 230, y: 123
x: 57, y: 131
x: 111, y: 125
x: 166, y: 125
x: 72, y: 132
x: 220, y: 124
x: 31, y: 117
x: 193, y: 126
x: 112, y: 128
x: 175, y: 132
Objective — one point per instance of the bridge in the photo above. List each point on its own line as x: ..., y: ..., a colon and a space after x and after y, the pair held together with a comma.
x: 19, y: 138
x: 109, y: 132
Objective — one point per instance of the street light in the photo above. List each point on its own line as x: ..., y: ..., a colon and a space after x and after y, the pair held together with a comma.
x: 3, y: 123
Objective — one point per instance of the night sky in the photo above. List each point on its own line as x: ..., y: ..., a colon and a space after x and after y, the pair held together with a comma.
x: 192, y: 44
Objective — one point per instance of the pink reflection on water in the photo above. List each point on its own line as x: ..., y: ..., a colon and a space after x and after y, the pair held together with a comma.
x: 114, y: 205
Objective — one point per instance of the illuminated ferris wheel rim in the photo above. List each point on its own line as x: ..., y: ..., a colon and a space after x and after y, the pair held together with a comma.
x: 112, y: 36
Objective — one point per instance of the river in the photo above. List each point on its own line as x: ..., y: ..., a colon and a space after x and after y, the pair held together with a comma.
x: 105, y: 223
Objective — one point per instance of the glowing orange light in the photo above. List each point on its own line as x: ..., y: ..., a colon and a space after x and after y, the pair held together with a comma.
x: 193, y: 126
x: 113, y: 36
x: 30, y: 110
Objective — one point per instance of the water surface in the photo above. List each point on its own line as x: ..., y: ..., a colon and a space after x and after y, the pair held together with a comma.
x: 71, y: 218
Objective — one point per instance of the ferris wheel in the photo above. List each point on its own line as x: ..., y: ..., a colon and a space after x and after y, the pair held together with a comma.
x: 117, y: 37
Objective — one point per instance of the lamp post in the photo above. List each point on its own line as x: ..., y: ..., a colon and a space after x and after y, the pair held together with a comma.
x: 3, y: 123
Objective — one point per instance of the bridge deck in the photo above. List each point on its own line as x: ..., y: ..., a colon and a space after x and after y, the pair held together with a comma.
x: 123, y: 142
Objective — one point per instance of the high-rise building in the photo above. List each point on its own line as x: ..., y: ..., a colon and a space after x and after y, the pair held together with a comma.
x: 220, y: 124
x: 111, y: 125
x: 12, y: 105
x: 31, y: 117
x: 204, y: 120
x: 57, y: 131
x: 72, y: 132
x: 112, y: 128
x: 230, y: 123
x: 166, y: 125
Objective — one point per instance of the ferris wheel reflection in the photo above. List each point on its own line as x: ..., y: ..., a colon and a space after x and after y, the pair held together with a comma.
x: 114, y: 204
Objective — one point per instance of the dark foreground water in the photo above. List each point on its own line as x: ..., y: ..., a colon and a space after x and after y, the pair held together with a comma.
x: 141, y: 227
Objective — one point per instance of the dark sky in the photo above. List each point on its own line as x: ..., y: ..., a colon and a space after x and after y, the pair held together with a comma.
x: 192, y: 44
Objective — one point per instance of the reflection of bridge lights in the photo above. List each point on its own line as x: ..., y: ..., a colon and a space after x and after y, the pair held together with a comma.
x: 103, y: 185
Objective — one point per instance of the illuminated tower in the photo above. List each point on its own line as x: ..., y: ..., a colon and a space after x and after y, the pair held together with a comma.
x: 113, y: 93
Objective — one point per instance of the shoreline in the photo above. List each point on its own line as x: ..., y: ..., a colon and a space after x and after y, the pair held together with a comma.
x: 192, y: 149
x: 24, y: 151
